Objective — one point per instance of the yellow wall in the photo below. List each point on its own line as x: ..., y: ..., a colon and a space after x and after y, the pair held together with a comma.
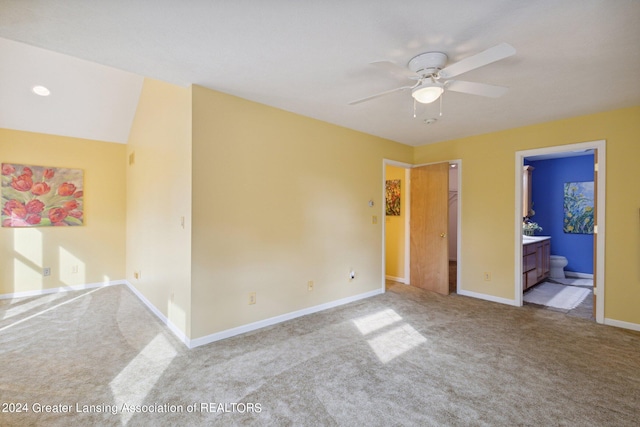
x: 158, y: 197
x: 96, y: 247
x: 395, y: 228
x: 488, y: 201
x: 272, y: 200
x: 280, y: 199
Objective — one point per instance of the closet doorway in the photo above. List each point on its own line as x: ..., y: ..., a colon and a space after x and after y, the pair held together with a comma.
x: 397, y: 239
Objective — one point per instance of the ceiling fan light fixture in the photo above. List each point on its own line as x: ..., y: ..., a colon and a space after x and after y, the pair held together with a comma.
x: 427, y: 92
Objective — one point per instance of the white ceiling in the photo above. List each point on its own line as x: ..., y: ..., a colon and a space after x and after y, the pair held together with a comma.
x: 574, y: 57
x: 87, y: 100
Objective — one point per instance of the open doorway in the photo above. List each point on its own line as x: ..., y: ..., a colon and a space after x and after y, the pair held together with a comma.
x: 397, y: 252
x: 397, y: 192
x: 558, y: 266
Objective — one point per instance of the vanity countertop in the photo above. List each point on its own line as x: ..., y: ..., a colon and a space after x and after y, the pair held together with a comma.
x: 534, y: 239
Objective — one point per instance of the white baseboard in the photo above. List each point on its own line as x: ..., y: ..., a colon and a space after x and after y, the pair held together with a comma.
x: 191, y: 343
x: 278, y: 319
x: 578, y: 275
x: 621, y: 324
x: 61, y: 289
x: 396, y: 279
x: 164, y: 319
x: 487, y: 297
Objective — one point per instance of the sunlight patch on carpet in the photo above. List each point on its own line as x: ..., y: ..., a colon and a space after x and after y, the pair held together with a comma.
x: 395, y: 342
x: 557, y: 296
x: 373, y: 322
x: 390, y: 343
x: 14, y: 310
x: 47, y: 310
x: 137, y: 379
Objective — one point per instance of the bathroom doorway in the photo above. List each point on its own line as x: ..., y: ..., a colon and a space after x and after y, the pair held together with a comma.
x: 574, y: 283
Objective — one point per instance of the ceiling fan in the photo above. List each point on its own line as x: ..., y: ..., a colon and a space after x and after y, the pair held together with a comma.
x: 433, y: 76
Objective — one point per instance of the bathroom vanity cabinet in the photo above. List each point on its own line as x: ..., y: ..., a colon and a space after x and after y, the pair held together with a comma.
x: 536, y: 262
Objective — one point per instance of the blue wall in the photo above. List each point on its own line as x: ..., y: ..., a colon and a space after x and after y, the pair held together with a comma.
x: 547, y: 192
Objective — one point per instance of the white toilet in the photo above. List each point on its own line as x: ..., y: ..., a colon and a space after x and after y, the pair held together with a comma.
x: 558, y: 263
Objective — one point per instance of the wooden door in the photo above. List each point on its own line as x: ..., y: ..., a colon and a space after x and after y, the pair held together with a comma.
x: 595, y: 227
x: 429, y: 222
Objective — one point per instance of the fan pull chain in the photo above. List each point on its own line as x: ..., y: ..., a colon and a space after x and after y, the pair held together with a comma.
x: 414, y: 108
x: 441, y: 96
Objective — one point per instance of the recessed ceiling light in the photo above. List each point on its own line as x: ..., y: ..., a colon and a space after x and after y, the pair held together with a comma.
x: 41, y: 90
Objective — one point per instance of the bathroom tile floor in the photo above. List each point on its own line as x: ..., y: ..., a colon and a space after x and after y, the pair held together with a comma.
x: 574, y: 281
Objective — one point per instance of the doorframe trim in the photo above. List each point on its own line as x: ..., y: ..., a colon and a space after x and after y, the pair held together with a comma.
x: 600, y: 146
x: 407, y: 167
x: 407, y: 227
x: 458, y: 163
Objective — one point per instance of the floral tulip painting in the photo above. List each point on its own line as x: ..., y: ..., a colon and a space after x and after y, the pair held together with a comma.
x: 39, y: 196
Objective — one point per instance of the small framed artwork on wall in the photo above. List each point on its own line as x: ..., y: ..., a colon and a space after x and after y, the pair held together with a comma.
x: 41, y: 196
x: 393, y: 197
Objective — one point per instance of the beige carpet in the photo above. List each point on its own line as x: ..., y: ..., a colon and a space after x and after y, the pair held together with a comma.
x: 407, y: 357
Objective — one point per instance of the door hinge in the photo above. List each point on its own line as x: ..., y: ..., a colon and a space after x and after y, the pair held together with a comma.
x: 595, y: 229
x: 595, y: 167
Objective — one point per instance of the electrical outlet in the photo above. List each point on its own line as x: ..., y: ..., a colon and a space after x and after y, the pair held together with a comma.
x: 46, y: 271
x: 487, y: 276
x: 310, y: 285
x: 252, y: 298
x: 74, y: 269
x: 136, y: 275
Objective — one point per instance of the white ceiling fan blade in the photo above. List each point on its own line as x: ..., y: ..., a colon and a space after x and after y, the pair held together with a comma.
x: 488, y: 56
x: 394, y: 68
x: 377, y: 95
x: 481, y: 89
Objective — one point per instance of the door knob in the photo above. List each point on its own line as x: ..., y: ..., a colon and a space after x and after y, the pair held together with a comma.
x: 443, y: 234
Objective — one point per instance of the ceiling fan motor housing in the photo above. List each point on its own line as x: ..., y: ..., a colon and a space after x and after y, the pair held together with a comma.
x: 427, y: 64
